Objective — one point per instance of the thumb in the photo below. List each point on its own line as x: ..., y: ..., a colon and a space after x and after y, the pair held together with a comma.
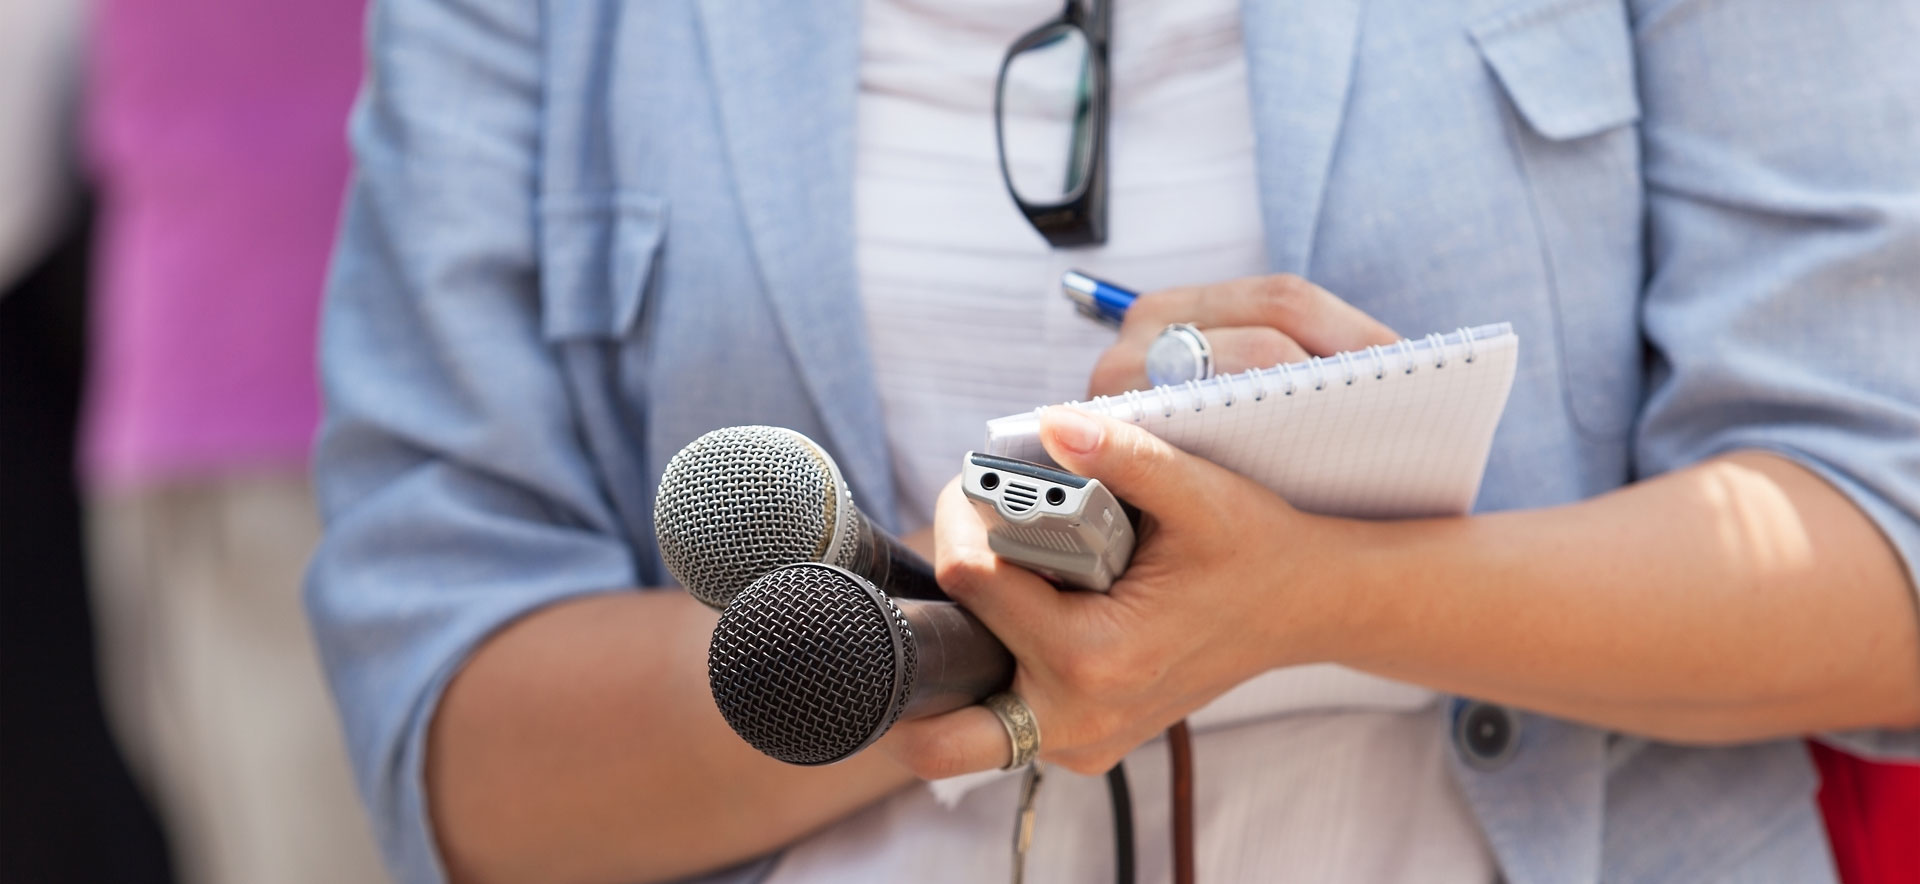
x: 1136, y: 465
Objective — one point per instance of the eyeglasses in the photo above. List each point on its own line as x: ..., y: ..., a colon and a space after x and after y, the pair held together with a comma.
x: 1050, y: 118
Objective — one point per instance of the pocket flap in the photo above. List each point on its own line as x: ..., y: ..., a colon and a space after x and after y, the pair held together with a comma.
x: 596, y: 254
x: 1567, y: 64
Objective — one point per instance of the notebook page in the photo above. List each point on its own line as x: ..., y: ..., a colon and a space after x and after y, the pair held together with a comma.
x: 1357, y: 435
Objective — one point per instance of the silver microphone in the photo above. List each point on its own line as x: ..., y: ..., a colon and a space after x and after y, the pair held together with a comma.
x: 739, y: 502
x: 812, y: 663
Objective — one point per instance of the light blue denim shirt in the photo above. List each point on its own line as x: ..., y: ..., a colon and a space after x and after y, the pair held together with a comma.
x: 583, y: 232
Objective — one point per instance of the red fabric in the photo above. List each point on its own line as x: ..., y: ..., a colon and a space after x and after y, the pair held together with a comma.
x: 1873, y: 817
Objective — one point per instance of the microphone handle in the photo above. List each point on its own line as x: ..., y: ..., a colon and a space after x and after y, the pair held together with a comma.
x: 898, y: 571
x: 958, y: 661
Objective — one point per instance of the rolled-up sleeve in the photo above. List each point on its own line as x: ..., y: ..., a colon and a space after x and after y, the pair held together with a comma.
x: 456, y: 494
x: 1782, y: 158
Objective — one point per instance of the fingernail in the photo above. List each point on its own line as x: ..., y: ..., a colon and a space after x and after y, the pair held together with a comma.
x: 1073, y: 429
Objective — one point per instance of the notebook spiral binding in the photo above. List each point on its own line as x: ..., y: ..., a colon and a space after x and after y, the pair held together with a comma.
x: 1406, y: 356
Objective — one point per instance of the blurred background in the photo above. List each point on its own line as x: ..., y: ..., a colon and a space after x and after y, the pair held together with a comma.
x: 170, y: 178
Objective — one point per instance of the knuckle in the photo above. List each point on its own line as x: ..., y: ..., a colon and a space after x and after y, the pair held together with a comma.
x: 1284, y: 298
x: 1289, y: 285
x: 1270, y: 346
x: 1125, y: 471
x: 1149, y: 312
x: 1075, y: 670
x: 963, y: 572
x: 1146, y: 456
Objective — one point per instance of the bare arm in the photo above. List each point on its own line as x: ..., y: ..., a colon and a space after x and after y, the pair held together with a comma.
x: 1743, y: 598
x: 581, y: 744
x: 1739, y: 599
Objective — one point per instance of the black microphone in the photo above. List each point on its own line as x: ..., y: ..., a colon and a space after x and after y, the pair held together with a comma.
x: 739, y: 502
x: 812, y: 663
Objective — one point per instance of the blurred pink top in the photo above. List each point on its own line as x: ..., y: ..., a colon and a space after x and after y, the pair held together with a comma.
x: 217, y: 132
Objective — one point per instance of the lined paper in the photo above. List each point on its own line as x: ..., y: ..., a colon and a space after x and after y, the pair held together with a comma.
x: 1387, y: 432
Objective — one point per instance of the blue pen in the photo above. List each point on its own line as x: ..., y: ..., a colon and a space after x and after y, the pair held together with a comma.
x: 1096, y: 299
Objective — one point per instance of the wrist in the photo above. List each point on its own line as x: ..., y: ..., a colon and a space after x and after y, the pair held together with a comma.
x: 1332, y: 606
x: 1371, y: 610
x: 1399, y: 594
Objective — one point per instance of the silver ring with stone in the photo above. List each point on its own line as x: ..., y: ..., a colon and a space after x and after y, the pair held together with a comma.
x: 1023, y: 731
x: 1180, y: 354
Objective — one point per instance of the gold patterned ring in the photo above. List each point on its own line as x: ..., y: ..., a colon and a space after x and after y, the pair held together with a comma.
x: 1022, y: 730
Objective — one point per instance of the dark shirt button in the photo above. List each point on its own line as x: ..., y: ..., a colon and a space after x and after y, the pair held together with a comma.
x: 1487, y: 735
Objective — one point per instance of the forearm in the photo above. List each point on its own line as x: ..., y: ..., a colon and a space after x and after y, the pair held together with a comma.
x: 1740, y: 599
x: 582, y: 744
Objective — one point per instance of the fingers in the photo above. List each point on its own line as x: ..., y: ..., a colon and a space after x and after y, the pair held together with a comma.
x: 963, y: 741
x: 1317, y: 319
x: 972, y: 738
x: 1235, y: 349
x: 1250, y: 323
x: 1016, y: 604
x: 1238, y: 349
x: 1136, y: 465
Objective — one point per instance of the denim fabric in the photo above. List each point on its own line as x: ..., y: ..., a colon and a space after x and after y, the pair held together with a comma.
x: 583, y: 232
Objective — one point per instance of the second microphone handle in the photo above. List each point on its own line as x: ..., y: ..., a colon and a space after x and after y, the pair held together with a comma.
x: 958, y: 662
x: 891, y: 565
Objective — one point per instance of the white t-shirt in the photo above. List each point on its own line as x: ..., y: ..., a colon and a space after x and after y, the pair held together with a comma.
x: 1308, y: 774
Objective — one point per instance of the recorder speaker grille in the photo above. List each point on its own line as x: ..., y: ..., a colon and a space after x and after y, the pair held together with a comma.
x: 1020, y: 497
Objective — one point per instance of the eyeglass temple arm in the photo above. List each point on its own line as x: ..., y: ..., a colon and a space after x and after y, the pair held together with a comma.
x: 1095, y: 15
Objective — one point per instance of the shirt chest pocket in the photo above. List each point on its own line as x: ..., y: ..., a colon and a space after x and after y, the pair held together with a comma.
x: 597, y: 255
x: 1567, y: 70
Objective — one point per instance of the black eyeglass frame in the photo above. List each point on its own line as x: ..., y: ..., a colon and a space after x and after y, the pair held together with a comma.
x: 1080, y: 217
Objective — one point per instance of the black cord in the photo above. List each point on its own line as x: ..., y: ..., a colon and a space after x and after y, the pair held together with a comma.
x: 1122, y: 798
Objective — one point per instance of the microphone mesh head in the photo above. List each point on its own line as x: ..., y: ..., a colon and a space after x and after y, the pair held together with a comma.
x: 811, y: 663
x: 741, y: 501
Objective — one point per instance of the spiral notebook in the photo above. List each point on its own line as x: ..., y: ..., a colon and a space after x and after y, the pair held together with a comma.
x: 1386, y: 432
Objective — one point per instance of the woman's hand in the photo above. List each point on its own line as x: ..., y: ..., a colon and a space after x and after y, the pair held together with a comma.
x: 1227, y: 581
x: 1251, y: 323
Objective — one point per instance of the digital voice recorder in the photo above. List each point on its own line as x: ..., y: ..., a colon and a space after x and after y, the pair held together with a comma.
x: 1067, y: 528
